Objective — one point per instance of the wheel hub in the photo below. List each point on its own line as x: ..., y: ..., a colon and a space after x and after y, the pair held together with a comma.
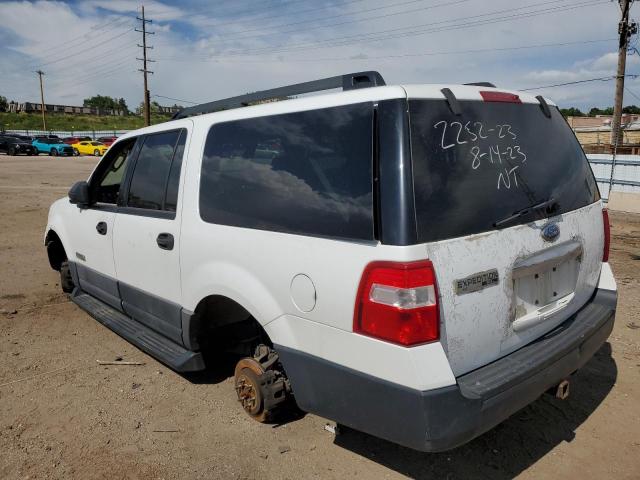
x: 247, y: 394
x: 261, y: 388
x: 248, y: 373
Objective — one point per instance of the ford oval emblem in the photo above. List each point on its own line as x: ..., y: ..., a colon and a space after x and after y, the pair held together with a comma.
x: 550, y: 232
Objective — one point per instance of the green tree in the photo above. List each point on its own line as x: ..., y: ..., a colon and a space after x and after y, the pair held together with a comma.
x: 155, y: 107
x: 106, y: 102
x: 600, y: 111
x: 4, y: 104
x: 632, y: 109
x: 571, y: 112
x: 122, y: 105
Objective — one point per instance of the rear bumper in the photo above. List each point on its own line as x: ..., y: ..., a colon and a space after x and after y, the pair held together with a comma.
x: 445, y: 418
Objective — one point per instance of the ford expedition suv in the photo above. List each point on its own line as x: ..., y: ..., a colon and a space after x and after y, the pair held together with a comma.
x: 417, y: 262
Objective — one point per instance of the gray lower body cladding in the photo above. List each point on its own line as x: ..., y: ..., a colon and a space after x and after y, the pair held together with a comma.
x: 445, y: 418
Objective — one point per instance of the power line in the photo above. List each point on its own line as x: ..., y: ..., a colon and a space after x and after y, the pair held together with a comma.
x: 428, y: 7
x: 87, y: 48
x: 109, y: 63
x: 262, y: 18
x: 94, y: 74
x: 402, y: 55
x: 176, y: 99
x: 602, y: 79
x: 464, y: 22
x: 632, y: 93
x: 102, y: 28
x: 249, y: 11
x: 68, y: 86
x: 348, y: 37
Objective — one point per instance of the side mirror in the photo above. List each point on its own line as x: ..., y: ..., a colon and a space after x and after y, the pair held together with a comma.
x: 79, y: 194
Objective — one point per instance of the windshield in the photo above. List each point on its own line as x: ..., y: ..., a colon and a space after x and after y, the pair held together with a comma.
x: 495, y: 159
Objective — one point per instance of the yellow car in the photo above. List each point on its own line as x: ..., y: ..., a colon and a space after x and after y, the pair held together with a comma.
x: 89, y: 148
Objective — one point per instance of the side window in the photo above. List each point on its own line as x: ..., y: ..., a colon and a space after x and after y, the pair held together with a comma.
x: 152, y: 172
x: 109, y: 174
x: 303, y: 172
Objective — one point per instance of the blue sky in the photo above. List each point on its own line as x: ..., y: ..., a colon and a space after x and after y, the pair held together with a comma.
x: 206, y: 50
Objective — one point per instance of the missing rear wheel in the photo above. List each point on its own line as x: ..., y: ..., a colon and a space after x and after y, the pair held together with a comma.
x: 261, y: 385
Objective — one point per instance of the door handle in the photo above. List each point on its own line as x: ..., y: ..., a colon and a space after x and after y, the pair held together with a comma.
x: 101, y: 228
x: 165, y: 241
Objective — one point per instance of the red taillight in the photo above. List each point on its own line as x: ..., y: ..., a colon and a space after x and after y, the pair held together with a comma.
x: 489, y: 96
x: 398, y: 302
x: 607, y: 235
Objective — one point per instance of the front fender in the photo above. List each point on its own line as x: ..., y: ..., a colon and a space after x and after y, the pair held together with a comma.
x: 56, y: 223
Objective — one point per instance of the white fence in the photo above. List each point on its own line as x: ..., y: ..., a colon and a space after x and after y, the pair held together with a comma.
x: 75, y: 133
x: 626, y: 177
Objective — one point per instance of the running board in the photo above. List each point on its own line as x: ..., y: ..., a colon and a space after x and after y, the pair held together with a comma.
x: 170, y: 353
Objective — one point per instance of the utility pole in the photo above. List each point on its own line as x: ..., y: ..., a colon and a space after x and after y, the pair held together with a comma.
x: 44, y: 122
x: 625, y: 30
x: 144, y: 70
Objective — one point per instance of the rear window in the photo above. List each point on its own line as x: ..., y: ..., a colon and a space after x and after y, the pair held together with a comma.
x: 495, y: 159
x: 304, y: 172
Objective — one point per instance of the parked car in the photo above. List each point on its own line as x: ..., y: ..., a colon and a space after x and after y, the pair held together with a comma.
x: 52, y: 146
x: 72, y: 140
x: 410, y: 261
x: 90, y: 148
x: 108, y: 141
x: 26, y: 138
x: 16, y: 146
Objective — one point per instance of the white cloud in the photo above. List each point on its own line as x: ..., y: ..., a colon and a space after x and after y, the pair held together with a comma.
x: 187, y: 36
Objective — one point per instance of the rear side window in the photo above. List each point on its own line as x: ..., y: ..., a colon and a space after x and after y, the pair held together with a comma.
x: 152, y: 171
x: 304, y: 172
x: 474, y: 170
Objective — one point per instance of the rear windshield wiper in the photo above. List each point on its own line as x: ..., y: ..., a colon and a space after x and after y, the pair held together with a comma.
x: 524, y: 211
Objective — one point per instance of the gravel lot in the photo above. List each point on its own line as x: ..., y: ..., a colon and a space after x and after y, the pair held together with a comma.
x: 64, y: 416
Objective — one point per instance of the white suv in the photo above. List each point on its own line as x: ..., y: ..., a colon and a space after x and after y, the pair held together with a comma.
x: 417, y: 262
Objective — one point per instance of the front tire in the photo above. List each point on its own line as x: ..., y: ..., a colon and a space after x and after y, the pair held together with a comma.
x: 66, y: 281
x: 76, y: 152
x: 11, y: 151
x: 96, y: 152
x: 54, y: 152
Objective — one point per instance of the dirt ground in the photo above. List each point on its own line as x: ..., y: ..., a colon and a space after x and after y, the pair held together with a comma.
x: 64, y: 416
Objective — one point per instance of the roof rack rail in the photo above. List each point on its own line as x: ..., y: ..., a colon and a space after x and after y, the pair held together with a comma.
x: 349, y: 81
x: 481, y: 84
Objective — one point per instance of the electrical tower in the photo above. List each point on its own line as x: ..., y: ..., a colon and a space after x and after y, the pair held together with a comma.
x: 144, y: 70
x: 625, y: 29
x: 44, y: 122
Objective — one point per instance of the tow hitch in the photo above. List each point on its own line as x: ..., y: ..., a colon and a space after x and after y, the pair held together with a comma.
x: 562, y: 390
